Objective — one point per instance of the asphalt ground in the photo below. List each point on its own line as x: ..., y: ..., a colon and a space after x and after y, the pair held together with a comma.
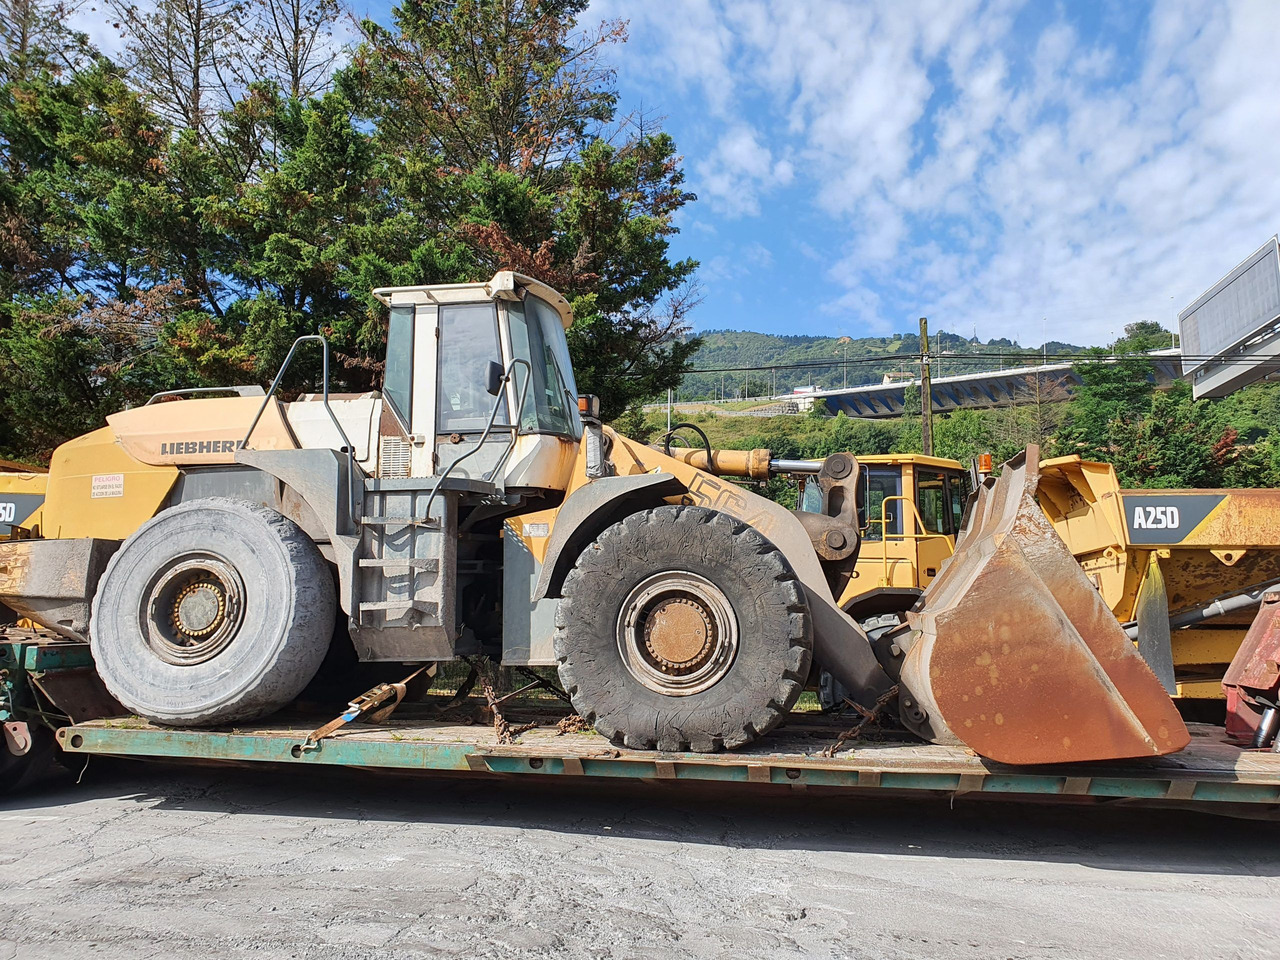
x: 169, y: 862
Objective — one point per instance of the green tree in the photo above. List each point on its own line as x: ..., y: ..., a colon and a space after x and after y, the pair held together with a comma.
x: 1143, y: 336
x: 515, y: 108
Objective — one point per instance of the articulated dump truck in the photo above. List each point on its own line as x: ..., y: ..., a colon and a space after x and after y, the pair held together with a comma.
x: 198, y: 558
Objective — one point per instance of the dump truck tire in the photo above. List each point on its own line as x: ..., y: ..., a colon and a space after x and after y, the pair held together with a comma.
x: 682, y: 628
x: 214, y: 611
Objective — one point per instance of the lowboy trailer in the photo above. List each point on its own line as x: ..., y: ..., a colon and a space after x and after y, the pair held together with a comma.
x: 806, y: 752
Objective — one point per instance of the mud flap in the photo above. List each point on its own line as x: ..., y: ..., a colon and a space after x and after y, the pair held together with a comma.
x: 1012, y: 652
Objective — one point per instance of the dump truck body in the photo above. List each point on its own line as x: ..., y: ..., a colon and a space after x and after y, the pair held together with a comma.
x: 22, y: 494
x: 1198, y: 545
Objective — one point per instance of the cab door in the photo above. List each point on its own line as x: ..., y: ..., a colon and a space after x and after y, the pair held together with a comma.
x: 939, y: 500
x: 467, y: 341
x: 885, y: 558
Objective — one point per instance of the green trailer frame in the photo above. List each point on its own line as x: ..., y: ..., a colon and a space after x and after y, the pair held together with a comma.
x: 1210, y: 771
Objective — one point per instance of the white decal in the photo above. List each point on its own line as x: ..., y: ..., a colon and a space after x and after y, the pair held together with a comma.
x: 1156, y: 518
x: 107, y: 485
x: 7, y: 512
x: 537, y: 530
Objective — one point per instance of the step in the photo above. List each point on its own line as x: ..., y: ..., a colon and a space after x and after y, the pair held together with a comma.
x: 431, y: 565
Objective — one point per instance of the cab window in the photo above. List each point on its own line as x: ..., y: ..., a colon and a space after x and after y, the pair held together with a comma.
x: 468, y: 343
x: 932, y: 502
x: 882, y: 482
x: 959, y: 493
x: 397, y: 384
x: 811, y: 496
x: 551, y: 404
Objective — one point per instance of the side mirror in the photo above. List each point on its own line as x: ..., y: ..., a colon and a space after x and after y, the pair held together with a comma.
x: 493, y: 378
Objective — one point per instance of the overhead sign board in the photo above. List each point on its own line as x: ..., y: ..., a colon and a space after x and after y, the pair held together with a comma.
x: 1240, y: 305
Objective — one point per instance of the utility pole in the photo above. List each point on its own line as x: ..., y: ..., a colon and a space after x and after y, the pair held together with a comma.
x: 926, y: 391
x: 844, y: 342
x: 668, y: 409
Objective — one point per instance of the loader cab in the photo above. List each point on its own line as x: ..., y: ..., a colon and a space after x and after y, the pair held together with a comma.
x: 460, y: 356
x: 912, y: 509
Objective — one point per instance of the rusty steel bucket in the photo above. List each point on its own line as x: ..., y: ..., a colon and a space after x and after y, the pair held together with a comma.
x: 1012, y: 652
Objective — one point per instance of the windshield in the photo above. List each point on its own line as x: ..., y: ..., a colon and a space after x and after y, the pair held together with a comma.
x: 551, y: 405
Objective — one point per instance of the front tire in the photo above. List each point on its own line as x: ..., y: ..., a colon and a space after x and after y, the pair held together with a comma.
x: 214, y: 611
x: 682, y: 628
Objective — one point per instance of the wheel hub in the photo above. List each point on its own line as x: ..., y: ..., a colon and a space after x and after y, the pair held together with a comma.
x: 677, y: 633
x: 200, y: 607
x: 193, y: 609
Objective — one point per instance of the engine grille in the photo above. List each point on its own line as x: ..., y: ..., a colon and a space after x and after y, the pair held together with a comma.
x: 393, y: 457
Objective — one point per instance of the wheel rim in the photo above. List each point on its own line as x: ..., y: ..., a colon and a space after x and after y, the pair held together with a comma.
x: 677, y: 633
x: 192, y: 609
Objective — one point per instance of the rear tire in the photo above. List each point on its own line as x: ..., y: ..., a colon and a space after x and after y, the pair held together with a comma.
x: 214, y: 611
x: 681, y: 628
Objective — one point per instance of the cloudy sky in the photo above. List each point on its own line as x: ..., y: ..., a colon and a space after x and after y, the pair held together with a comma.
x: 1011, y: 167
x: 1018, y: 168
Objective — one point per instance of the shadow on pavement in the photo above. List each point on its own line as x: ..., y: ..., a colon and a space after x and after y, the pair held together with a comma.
x: 1106, y: 837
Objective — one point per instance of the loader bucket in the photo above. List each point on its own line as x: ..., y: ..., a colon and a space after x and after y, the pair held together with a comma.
x: 1012, y: 652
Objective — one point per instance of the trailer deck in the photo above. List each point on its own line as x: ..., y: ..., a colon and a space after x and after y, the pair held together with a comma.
x: 1209, y: 770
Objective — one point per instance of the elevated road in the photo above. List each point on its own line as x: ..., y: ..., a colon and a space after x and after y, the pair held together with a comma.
x: 1012, y: 387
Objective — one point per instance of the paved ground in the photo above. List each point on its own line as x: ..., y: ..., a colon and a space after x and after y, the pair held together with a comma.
x: 144, y: 861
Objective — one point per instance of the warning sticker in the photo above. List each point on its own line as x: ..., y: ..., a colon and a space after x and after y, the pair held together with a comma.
x: 107, y: 485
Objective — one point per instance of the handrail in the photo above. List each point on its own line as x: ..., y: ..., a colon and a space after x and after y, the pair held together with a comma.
x: 514, y: 427
x: 243, y: 391
x: 883, y: 520
x: 346, y: 448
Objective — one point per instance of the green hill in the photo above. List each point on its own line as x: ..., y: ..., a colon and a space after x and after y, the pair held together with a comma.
x: 772, y: 357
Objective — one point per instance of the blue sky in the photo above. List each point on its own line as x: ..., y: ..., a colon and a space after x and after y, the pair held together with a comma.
x: 1014, y: 168
x: 1006, y: 167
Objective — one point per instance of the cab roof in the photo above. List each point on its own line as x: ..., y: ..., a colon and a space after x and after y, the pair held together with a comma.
x: 941, y: 463
x: 504, y: 285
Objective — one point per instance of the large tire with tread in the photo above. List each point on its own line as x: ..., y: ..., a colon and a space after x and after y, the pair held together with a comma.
x: 682, y: 628
x: 214, y: 611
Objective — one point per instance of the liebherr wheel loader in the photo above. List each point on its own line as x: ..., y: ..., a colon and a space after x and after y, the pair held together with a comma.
x: 207, y: 544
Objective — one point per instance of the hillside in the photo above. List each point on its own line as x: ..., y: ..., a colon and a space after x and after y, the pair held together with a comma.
x: 868, y: 360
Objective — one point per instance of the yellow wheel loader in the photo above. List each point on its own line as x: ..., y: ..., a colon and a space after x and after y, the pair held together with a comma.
x: 211, y: 545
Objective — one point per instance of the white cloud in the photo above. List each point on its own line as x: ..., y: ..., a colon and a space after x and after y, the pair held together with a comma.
x: 981, y: 173
x: 739, y: 170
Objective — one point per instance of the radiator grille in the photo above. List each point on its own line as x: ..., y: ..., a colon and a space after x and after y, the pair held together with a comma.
x: 393, y: 457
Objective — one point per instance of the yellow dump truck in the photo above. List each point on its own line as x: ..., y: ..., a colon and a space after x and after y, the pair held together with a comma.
x: 22, y: 490
x: 1185, y: 569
